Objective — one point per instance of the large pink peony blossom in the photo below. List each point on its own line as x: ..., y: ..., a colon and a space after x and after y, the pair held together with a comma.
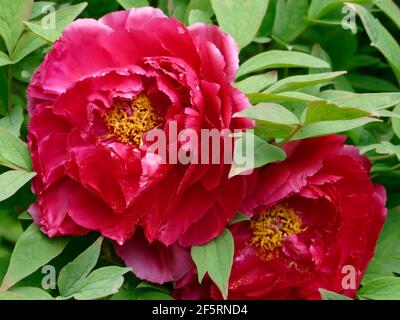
x: 100, y: 90
x: 315, y: 220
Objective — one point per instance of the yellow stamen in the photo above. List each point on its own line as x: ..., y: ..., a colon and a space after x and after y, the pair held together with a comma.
x: 271, y: 227
x: 129, y: 121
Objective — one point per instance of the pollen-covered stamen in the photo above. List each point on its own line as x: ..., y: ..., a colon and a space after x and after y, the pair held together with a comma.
x: 271, y: 227
x: 129, y: 121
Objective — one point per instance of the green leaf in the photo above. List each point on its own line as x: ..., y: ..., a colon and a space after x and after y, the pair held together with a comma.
x: 325, y: 111
x: 328, y: 127
x: 216, y: 259
x: 390, y: 8
x: 127, y: 4
x: 288, y: 27
x: 152, y: 295
x: 384, y: 147
x: 196, y: 16
x: 386, y: 260
x: 329, y: 295
x: 298, y: 82
x: 385, y: 288
x: 396, y: 122
x: 32, y: 251
x: 280, y: 59
x: 202, y: 5
x: 31, y: 293
x: 100, y: 283
x: 319, y: 8
x: 12, y: 13
x: 241, y: 19
x: 10, y: 228
x: 64, y: 17
x: 12, y: 181
x: 380, y: 37
x: 240, y: 217
x: 13, y: 121
x: 39, y: 7
x: 13, y: 152
x: 371, y: 84
x: 257, y: 83
x: 261, y: 153
x: 28, y: 43
x: 256, y: 98
x: 25, y: 293
x: 4, y: 59
x: 367, y: 101
x: 272, y: 120
x: 75, y: 272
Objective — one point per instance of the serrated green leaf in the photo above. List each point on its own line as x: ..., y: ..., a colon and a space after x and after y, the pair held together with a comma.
x: 280, y: 59
x: 13, y: 152
x: 75, y: 272
x: 241, y: 19
x: 216, y: 259
x: 12, y: 181
x: 32, y: 251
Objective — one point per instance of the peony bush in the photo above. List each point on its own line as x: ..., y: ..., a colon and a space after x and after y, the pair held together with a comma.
x: 213, y: 149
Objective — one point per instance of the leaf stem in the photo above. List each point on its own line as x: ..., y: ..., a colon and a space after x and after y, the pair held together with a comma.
x: 290, y: 136
x: 9, y: 88
x: 383, y: 157
x: 395, y: 167
x: 170, y: 7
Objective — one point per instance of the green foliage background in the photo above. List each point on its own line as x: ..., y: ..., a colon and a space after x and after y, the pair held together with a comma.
x: 309, y: 67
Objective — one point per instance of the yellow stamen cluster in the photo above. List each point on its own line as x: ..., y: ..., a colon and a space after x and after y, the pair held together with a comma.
x: 129, y: 121
x: 271, y: 227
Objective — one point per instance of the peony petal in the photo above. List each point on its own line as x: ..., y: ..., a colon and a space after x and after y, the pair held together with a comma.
x: 155, y: 262
x: 225, y: 43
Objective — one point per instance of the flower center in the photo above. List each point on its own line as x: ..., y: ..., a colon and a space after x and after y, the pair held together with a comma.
x: 128, y: 121
x: 271, y: 227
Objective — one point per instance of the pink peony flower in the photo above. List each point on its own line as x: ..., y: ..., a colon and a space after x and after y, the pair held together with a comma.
x: 102, y: 88
x: 315, y: 221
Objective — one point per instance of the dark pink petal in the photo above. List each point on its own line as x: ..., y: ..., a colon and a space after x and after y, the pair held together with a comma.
x: 154, y: 262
